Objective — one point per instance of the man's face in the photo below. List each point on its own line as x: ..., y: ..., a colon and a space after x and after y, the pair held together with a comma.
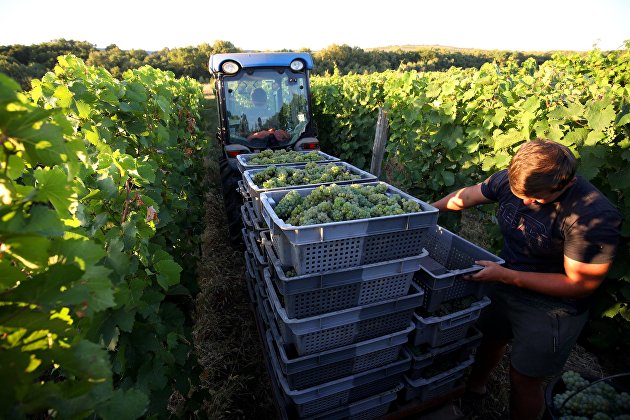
x: 544, y: 198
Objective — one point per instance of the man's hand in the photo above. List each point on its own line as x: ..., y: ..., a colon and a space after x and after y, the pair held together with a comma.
x: 491, y: 272
x: 279, y: 135
x: 260, y: 134
x: 580, y: 280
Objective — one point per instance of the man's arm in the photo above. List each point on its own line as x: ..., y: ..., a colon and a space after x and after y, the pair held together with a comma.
x: 581, y: 279
x: 462, y: 199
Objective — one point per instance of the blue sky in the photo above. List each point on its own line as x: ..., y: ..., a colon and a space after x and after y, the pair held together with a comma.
x: 533, y: 25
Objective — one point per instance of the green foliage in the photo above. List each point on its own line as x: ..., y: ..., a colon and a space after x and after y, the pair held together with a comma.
x: 346, y: 109
x: 27, y: 62
x: 100, y: 198
x: 344, y: 59
x: 454, y: 128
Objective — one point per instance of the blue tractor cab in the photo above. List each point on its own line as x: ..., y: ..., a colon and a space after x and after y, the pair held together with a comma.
x: 264, y: 102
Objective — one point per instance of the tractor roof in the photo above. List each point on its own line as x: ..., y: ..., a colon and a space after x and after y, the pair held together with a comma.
x: 248, y: 60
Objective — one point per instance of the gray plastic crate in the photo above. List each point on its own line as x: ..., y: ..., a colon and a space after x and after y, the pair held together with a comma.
x: 250, y: 280
x: 314, y: 294
x: 254, y: 190
x: 300, y: 235
x: 348, y: 326
x: 375, y: 407
x: 340, y: 392
x: 306, y: 371
x: 454, y: 353
x: 435, y: 386
x: 259, y: 260
x: 338, y: 245
x: 261, y: 296
x: 243, y: 191
x: 250, y: 220
x: 242, y: 161
x: 440, y: 330
x: 257, y: 249
x: 450, y: 258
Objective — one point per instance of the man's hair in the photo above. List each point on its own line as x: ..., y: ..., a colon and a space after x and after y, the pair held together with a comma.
x: 259, y: 96
x: 541, y: 166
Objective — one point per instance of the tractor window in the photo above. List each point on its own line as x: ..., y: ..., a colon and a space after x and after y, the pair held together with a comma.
x: 264, y: 101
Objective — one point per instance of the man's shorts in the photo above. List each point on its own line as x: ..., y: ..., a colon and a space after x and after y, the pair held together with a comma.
x: 543, y: 329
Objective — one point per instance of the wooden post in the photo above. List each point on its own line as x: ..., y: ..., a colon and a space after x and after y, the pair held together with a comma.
x: 380, y: 139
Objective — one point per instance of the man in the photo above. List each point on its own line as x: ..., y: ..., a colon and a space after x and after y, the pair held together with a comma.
x: 559, y: 239
x: 262, y: 123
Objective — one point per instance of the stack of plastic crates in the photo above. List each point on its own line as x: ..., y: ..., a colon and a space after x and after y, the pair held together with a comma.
x: 340, y: 300
x: 444, y: 340
x: 253, y: 223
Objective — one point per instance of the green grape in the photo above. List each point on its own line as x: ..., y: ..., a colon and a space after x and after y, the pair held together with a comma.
x: 312, y: 173
x: 351, y: 202
x: 598, y: 400
x: 269, y: 156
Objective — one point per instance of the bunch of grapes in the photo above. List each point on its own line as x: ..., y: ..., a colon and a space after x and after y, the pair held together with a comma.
x: 583, y: 400
x: 269, y: 157
x: 282, y: 176
x: 336, y: 203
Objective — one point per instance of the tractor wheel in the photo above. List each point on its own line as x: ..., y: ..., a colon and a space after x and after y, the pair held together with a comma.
x: 233, y: 201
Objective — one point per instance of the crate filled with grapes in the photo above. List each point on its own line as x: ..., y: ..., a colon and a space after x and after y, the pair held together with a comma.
x: 280, y: 157
x: 277, y: 178
x: 338, y: 226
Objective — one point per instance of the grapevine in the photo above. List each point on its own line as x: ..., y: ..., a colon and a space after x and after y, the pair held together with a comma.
x: 281, y: 176
x: 336, y: 203
x: 270, y: 157
x: 100, y: 196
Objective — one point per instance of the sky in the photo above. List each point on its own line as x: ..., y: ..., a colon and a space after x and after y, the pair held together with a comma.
x: 530, y: 25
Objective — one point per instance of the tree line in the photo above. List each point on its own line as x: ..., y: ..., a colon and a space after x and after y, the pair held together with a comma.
x: 26, y: 62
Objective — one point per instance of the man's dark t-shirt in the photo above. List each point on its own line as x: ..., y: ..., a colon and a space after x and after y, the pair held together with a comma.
x: 581, y: 224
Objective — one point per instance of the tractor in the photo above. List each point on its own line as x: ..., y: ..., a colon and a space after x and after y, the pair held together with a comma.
x: 264, y: 102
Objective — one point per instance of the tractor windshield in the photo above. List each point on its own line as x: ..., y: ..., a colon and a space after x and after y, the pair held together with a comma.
x: 266, y: 107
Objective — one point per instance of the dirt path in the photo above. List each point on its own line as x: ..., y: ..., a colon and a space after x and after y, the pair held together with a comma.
x: 234, y: 381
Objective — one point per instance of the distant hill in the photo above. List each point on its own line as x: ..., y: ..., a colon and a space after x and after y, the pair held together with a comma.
x: 416, y: 48
x: 391, y: 48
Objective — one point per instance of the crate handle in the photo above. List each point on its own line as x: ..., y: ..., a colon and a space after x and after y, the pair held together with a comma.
x: 245, y: 216
x: 461, y: 319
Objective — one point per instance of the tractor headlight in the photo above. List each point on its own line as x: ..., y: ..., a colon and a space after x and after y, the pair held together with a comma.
x: 229, y: 67
x: 297, y: 65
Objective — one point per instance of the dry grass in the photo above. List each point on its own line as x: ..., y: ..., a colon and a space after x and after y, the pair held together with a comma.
x: 234, y: 382
x: 225, y: 334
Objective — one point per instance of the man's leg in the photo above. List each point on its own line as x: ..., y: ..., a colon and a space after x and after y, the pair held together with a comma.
x: 489, y: 354
x: 526, y: 396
